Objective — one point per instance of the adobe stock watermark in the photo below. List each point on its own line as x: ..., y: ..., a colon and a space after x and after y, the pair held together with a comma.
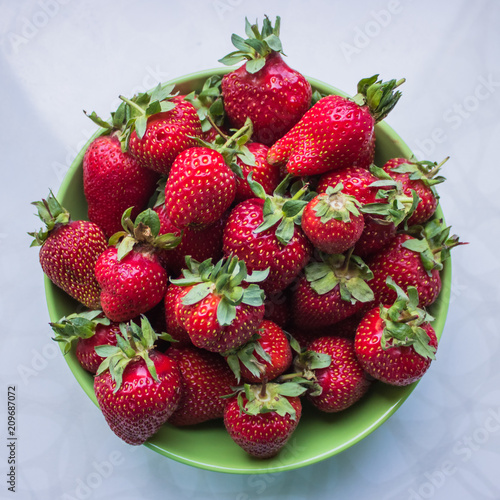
x: 363, y: 35
x: 456, y: 115
x: 39, y: 361
x: 223, y: 7
x: 31, y: 26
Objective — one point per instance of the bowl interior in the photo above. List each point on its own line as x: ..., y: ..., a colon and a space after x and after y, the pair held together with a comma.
x: 319, y: 435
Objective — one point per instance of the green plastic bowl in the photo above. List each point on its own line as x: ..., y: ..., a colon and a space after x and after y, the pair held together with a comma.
x: 318, y: 435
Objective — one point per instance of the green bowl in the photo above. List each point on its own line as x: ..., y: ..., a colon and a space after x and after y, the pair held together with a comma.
x: 318, y: 435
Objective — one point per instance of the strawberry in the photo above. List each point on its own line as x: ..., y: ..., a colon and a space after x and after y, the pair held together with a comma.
x: 396, y: 344
x: 413, y: 260
x: 206, y: 377
x: 336, y: 131
x: 261, y: 418
x: 173, y: 320
x: 69, y: 251
x: 266, y: 355
x: 130, y: 274
x: 89, y: 329
x: 265, y: 232
x: 221, y: 306
x: 331, y: 290
x: 264, y: 89
x: 137, y: 387
x: 332, y: 221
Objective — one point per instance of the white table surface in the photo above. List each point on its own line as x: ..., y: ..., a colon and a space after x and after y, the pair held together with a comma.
x: 59, y: 57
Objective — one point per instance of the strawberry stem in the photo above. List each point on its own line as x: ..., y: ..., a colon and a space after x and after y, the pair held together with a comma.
x: 216, y: 127
x: 437, y: 168
x: 132, y: 104
x: 263, y: 388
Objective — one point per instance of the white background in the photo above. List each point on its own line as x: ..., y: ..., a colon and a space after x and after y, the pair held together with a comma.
x: 59, y: 57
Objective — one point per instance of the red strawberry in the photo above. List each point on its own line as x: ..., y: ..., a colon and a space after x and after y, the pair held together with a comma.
x: 343, y: 382
x: 221, y: 306
x: 264, y: 89
x: 137, y: 388
x: 331, y: 290
x: 265, y: 233
x: 69, y: 251
x: 336, y: 131
x: 266, y: 356
x: 131, y: 276
x: 173, y: 320
x: 396, y: 344
x: 262, y: 418
x: 332, y: 221
x: 206, y: 377
x: 89, y: 329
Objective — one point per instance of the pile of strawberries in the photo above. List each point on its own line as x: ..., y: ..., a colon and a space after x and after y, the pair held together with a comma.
x: 243, y: 254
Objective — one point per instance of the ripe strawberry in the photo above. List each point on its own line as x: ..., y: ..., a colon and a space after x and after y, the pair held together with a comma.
x: 173, y: 320
x: 131, y: 276
x: 206, y: 378
x: 264, y: 89
x: 266, y: 355
x: 137, y: 388
x: 221, y: 305
x: 396, y: 344
x: 343, y: 382
x: 261, y: 418
x: 331, y: 290
x: 336, y: 131
x: 89, y: 329
x: 265, y: 233
x: 332, y: 221
x: 412, y: 260
x: 69, y: 251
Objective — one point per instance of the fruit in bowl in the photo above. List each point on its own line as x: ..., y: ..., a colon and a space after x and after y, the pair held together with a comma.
x: 263, y: 240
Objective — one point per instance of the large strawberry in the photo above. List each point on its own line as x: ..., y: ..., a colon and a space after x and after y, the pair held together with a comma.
x: 337, y: 130
x: 206, y: 378
x: 137, y: 387
x: 265, y: 232
x: 69, y: 251
x: 221, y: 306
x: 396, y: 344
x: 130, y: 274
x: 264, y: 89
x: 261, y: 418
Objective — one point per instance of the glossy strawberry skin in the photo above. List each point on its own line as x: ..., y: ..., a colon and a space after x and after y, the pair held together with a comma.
x: 114, y: 181
x: 274, y: 98
x: 344, y: 382
x: 200, y: 188
x: 167, y: 135
x: 141, y: 405
x: 397, y: 365
x: 173, y: 319
x: 333, y: 134
x: 206, y: 377
x: 406, y: 269
x: 262, y: 435
x: 68, y: 257
x: 263, y: 250
x: 131, y: 286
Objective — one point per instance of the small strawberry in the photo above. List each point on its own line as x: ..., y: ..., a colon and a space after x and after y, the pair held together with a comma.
x: 336, y: 131
x: 137, y: 387
x: 396, y: 344
x: 69, y: 251
x: 89, y: 329
x: 265, y: 232
x: 221, y: 306
x: 266, y: 355
x: 264, y: 89
x: 130, y: 274
x: 332, y: 220
x: 261, y: 418
x: 206, y: 378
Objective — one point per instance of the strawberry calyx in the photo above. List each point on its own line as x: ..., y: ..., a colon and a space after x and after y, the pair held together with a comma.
x: 403, y: 320
x: 379, y: 96
x: 144, y: 232
x: 52, y: 214
x: 257, y: 47
x: 349, y: 272
x: 425, y: 171
x: 228, y: 279
x: 334, y: 204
